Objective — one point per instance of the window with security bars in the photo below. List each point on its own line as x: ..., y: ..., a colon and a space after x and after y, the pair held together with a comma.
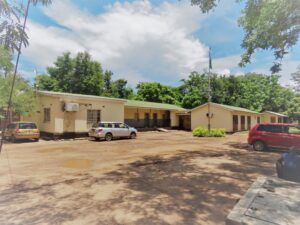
x: 93, y: 117
x: 47, y: 115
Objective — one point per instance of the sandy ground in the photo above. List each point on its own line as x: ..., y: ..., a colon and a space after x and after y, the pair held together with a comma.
x: 159, y: 178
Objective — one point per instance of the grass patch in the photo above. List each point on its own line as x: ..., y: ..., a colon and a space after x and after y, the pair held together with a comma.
x: 204, y: 132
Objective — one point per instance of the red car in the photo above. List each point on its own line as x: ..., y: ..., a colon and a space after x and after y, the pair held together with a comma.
x: 271, y: 135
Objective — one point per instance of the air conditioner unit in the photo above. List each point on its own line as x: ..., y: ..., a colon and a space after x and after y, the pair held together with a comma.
x: 71, y: 107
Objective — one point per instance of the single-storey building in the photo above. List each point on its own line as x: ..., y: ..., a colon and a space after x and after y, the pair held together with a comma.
x: 231, y: 118
x: 63, y: 114
x: 273, y: 117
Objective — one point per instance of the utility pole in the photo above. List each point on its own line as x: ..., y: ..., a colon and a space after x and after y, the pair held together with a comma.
x: 209, y: 93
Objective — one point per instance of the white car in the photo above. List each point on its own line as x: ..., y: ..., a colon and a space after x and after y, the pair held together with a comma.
x: 111, y: 130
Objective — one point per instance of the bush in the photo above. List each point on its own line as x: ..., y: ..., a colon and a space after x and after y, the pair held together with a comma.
x: 203, y: 132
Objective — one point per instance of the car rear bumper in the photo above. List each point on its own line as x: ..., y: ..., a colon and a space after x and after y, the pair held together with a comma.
x: 31, y: 136
x: 97, y: 135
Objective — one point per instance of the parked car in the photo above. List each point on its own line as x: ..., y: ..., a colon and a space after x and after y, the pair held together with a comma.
x: 288, y: 166
x: 22, y: 131
x: 285, y: 136
x: 111, y: 130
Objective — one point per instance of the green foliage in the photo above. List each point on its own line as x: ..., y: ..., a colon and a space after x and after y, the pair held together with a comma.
x: 5, y: 60
x: 23, y: 101
x: 45, y: 82
x: 294, y: 108
x: 256, y: 92
x: 204, y: 132
x: 11, y: 25
x: 296, y: 79
x: 79, y: 75
x: 156, y: 92
x: 268, y: 25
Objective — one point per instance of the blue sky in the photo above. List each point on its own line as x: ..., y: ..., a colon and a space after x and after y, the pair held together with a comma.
x: 144, y: 40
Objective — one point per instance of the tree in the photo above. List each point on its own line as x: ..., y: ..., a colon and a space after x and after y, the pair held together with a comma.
x: 23, y: 101
x: 46, y: 83
x: 5, y: 61
x: 156, y: 92
x: 121, y: 90
x: 268, y: 25
x: 80, y: 75
x: 294, y: 108
x: 108, y: 83
x: 296, y: 79
x: 11, y: 26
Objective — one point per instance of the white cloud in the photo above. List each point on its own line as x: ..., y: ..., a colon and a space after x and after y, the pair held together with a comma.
x: 135, y: 40
x: 225, y: 65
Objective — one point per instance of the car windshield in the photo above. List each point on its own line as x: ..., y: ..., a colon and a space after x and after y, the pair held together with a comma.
x: 27, y: 126
x: 294, y: 130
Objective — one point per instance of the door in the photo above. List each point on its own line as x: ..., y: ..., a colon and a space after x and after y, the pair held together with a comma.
x: 273, y: 119
x: 243, y: 121
x: 249, y: 122
x: 258, y: 119
x: 147, y: 120
x: 155, y: 119
x: 274, y: 135
x: 235, y: 123
x: 121, y: 130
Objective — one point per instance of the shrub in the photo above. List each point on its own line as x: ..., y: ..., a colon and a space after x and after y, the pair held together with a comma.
x: 203, y: 132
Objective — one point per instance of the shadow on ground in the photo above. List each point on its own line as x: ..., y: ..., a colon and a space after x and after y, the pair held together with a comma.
x: 198, y: 187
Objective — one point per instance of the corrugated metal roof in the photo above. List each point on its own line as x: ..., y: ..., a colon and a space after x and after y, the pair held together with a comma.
x: 275, y: 113
x: 128, y: 103
x: 154, y: 105
x: 230, y: 108
x: 80, y: 96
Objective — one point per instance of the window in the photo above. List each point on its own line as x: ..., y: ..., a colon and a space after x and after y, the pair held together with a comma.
x: 270, y: 128
x: 27, y: 126
x: 47, y: 115
x: 120, y: 125
x: 105, y: 125
x: 258, y: 119
x: 273, y: 119
x: 294, y: 130
x: 93, y: 117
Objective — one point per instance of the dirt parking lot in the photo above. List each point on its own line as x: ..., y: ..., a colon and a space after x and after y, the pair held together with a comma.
x: 159, y: 178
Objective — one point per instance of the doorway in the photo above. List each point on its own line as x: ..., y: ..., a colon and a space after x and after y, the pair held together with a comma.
x: 155, y: 119
x: 147, y: 120
x: 235, y: 123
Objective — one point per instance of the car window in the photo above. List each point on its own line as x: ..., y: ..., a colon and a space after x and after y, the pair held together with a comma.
x: 270, y: 128
x: 106, y: 125
x: 294, y: 130
x: 27, y: 126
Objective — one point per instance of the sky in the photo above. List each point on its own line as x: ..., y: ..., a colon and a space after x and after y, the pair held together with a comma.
x: 142, y: 41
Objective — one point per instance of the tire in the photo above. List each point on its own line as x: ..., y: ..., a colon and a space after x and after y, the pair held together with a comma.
x: 133, y: 135
x: 36, y: 140
x: 259, y: 146
x: 108, y: 137
x: 97, y: 139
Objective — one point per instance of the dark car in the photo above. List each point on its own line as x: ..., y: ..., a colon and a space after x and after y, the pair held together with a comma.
x: 268, y: 135
x: 288, y: 166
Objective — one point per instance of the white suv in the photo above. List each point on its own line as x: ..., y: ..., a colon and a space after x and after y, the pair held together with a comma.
x: 110, y: 130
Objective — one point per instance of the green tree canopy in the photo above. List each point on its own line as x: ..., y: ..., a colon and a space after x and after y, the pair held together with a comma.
x: 156, y: 92
x: 296, y: 79
x: 268, y: 25
x: 23, y: 101
x: 80, y: 75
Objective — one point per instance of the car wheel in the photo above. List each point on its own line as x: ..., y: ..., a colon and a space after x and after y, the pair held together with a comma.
x: 97, y: 139
x: 37, y: 140
x: 133, y: 135
x: 259, y: 146
x: 108, y: 137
